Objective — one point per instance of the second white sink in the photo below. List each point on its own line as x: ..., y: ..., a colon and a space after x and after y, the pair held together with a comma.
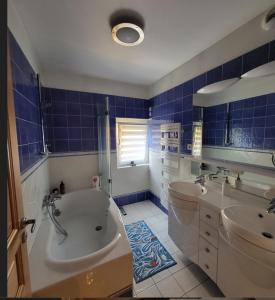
x: 252, y: 224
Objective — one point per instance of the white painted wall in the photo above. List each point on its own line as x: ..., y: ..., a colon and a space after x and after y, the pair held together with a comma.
x: 78, y: 82
x: 17, y: 28
x: 75, y: 171
x: 240, y: 41
x: 128, y: 180
x: 34, y: 188
x: 155, y: 171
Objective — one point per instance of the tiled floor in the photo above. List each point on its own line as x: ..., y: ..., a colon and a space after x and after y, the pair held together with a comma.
x: 185, y: 278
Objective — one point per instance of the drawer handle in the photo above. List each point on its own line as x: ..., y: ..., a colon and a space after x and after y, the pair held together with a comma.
x: 207, y: 250
x: 206, y: 266
x: 207, y: 233
x: 208, y: 216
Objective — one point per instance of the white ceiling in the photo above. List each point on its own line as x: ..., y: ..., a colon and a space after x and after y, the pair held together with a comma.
x: 74, y: 36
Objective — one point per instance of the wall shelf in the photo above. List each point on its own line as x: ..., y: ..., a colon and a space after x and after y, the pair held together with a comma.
x: 234, y: 166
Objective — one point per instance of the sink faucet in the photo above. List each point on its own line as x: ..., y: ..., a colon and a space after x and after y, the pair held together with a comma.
x: 271, y: 207
x: 200, y: 179
x: 211, y: 176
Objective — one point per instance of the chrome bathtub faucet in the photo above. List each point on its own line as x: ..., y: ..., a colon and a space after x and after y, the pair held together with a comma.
x: 49, y: 203
x: 271, y: 207
x: 200, y: 179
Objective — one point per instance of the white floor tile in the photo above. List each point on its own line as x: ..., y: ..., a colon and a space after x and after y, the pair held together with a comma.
x: 163, y: 236
x: 206, y: 289
x: 169, y: 288
x: 141, y: 286
x: 159, y: 226
x: 183, y: 278
x: 189, y: 277
x: 151, y: 292
x: 182, y: 262
x: 161, y: 275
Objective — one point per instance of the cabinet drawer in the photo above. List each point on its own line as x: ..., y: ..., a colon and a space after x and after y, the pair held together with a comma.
x: 209, y: 216
x: 207, y: 250
x: 208, y: 265
x: 209, y: 233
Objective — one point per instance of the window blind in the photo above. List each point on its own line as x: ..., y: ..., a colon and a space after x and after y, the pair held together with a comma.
x: 132, y: 144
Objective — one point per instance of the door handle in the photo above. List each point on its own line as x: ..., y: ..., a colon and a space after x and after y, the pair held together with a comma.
x: 25, y: 222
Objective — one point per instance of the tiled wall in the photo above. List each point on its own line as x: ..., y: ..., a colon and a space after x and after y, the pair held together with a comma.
x: 138, y: 197
x: 251, y: 125
x: 27, y: 107
x: 131, y: 198
x: 71, y: 118
x: 175, y: 105
x: 70, y: 121
x: 125, y: 107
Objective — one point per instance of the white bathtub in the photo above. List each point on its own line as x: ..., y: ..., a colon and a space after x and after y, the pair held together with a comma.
x: 86, y: 263
x: 82, y: 213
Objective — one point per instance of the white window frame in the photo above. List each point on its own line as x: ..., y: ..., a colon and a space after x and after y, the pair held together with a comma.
x: 131, y: 121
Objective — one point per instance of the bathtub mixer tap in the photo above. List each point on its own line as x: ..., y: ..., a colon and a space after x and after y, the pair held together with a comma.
x: 49, y: 203
x: 200, y: 179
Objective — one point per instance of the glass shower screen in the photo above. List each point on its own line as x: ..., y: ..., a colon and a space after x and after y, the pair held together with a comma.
x: 104, y: 152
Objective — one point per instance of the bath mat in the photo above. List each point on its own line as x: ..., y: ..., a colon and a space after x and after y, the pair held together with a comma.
x: 149, y: 255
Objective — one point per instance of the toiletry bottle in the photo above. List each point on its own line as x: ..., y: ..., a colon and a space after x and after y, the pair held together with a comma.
x: 62, y: 188
x: 238, y: 182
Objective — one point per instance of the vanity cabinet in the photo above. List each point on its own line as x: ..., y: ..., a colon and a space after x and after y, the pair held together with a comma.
x: 208, y: 241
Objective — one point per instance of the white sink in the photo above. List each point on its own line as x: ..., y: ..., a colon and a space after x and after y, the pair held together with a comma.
x: 187, y: 191
x: 251, y: 224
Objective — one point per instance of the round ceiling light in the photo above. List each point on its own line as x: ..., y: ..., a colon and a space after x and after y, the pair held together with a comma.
x: 127, y: 34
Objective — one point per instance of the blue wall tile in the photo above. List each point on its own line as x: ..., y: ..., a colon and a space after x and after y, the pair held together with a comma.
x: 72, y: 117
x: 27, y: 107
x: 214, y: 75
x: 271, y: 51
x: 199, y: 82
x: 252, y: 123
x: 255, y: 58
x: 126, y: 199
x: 233, y: 68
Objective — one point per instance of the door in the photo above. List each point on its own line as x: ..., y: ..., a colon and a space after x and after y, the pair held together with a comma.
x: 17, y: 265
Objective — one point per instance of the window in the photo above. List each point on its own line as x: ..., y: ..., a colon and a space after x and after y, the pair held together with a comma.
x: 132, y: 146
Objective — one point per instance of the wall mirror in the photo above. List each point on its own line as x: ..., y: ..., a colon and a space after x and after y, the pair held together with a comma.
x: 239, y: 122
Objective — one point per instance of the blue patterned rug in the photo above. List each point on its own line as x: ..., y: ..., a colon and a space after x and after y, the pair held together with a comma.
x: 150, y: 257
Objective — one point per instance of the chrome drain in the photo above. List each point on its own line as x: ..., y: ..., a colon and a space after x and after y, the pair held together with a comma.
x: 267, y: 235
x: 98, y: 228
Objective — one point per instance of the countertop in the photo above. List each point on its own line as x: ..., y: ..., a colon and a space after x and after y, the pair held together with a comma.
x: 215, y: 199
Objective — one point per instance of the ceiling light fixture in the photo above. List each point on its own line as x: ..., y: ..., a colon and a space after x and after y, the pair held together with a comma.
x: 127, y: 34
